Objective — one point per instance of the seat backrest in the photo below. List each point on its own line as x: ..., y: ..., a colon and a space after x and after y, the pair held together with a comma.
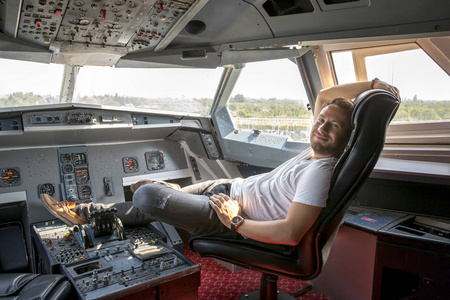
x: 13, y: 252
x: 15, y: 247
x: 371, y: 116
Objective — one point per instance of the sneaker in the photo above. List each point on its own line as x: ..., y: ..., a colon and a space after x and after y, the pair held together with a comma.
x: 62, y: 210
x: 137, y: 184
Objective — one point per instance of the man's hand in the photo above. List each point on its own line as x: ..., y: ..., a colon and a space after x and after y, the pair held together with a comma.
x: 225, y: 207
x: 378, y: 84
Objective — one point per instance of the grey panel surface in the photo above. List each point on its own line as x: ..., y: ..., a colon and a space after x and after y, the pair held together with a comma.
x: 39, y: 166
x: 78, y: 126
x: 106, y: 161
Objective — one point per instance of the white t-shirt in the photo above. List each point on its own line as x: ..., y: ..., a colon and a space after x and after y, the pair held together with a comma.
x: 268, y: 196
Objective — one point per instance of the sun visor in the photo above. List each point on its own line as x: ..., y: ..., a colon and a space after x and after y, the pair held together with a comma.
x: 81, y: 55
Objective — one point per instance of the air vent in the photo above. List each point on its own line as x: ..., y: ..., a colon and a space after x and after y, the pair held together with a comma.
x: 195, y: 27
x: 275, y: 8
x: 194, y: 54
x: 331, y: 2
x: 326, y: 5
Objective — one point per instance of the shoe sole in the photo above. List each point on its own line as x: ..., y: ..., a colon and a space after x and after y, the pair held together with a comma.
x: 63, y: 217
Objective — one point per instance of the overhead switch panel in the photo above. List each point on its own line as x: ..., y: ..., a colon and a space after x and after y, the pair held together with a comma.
x: 89, y: 26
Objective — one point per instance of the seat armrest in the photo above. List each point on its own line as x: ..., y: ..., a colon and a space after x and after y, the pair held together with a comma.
x: 42, y: 287
x: 11, y: 283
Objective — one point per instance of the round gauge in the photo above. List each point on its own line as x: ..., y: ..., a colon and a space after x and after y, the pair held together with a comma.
x: 82, y: 176
x: 46, y: 188
x: 84, y: 192
x: 79, y: 159
x: 66, y: 157
x: 67, y: 168
x: 155, y: 160
x: 130, y: 164
x: 10, y: 177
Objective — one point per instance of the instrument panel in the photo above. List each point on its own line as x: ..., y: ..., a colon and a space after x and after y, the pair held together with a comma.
x: 83, y: 155
x: 76, y: 182
x: 114, y: 266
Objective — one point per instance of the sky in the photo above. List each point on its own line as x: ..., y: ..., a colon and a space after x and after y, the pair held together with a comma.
x: 414, y: 74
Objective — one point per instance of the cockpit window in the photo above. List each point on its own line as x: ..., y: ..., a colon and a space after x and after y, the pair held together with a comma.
x: 423, y: 85
x: 270, y: 97
x: 342, y: 60
x: 175, y: 90
x: 25, y: 83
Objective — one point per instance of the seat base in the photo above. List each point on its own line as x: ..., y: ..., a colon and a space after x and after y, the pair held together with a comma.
x: 255, y: 296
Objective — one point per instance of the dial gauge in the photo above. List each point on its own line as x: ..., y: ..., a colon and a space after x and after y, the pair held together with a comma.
x: 67, y: 168
x: 84, y: 192
x: 10, y: 177
x: 66, y: 157
x: 79, y: 159
x: 82, y: 176
x: 155, y: 160
x: 46, y: 188
x: 130, y: 164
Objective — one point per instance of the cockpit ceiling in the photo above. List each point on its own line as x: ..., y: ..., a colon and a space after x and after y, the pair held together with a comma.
x: 102, y: 32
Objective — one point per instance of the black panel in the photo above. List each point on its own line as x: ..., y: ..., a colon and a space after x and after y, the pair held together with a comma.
x: 276, y: 8
x: 331, y: 2
x: 411, y: 197
x: 410, y: 269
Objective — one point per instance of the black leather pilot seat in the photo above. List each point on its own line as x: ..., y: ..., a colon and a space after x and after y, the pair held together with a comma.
x: 372, y: 114
x: 17, y: 279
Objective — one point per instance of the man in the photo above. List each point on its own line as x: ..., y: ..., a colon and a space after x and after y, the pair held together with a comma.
x: 276, y: 207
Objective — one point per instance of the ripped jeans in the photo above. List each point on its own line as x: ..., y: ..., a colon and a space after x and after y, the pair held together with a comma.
x: 187, y: 209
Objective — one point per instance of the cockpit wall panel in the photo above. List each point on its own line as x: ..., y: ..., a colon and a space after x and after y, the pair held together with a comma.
x: 40, y: 170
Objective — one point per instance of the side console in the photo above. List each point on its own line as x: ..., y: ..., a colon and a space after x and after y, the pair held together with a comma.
x: 133, y: 261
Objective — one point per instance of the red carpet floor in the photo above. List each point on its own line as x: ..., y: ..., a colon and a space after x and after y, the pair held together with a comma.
x: 218, y: 283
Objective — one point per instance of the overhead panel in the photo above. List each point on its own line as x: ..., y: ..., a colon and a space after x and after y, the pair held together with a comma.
x: 115, y: 27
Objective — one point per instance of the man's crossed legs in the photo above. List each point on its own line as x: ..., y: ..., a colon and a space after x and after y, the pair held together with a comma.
x: 187, y: 208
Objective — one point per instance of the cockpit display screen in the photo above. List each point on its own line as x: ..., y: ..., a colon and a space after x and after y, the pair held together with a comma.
x: 88, y: 268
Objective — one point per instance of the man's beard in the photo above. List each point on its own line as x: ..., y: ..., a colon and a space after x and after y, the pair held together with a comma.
x: 330, y: 150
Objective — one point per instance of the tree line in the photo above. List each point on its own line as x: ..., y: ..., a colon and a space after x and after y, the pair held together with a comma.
x: 410, y: 109
x: 239, y: 105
